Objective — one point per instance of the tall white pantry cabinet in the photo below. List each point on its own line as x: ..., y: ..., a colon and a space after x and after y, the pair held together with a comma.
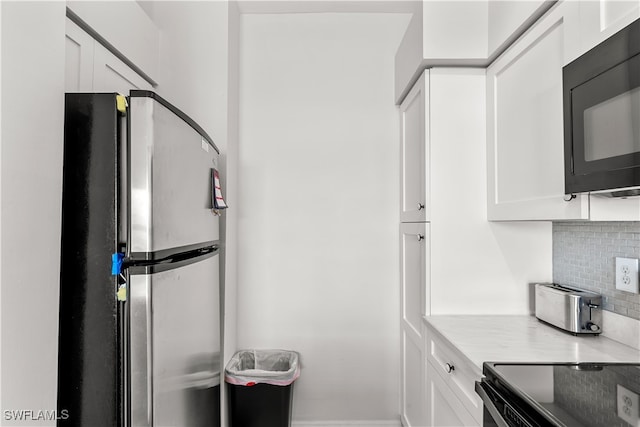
x: 453, y: 260
x: 442, y: 198
x: 414, y: 248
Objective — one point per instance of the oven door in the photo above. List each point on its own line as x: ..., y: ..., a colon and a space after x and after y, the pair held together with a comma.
x: 498, y: 412
x: 491, y: 415
x: 602, y: 115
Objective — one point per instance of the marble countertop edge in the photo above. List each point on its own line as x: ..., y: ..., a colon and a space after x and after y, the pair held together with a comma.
x: 524, y: 339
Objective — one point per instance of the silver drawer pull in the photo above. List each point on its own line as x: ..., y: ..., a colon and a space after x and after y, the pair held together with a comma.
x: 450, y: 368
x: 420, y: 206
x: 420, y: 237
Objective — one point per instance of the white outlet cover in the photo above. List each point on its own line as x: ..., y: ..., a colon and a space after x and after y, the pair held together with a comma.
x: 627, y: 275
x: 628, y: 405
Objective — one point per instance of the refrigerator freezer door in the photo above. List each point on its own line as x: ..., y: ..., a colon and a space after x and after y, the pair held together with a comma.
x: 170, y: 188
x: 89, y: 357
x: 175, y: 346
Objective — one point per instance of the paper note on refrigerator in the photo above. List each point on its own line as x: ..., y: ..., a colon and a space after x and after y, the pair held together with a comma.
x: 218, y: 200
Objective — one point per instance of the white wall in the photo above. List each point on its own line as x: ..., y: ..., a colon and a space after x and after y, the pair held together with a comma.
x: 32, y: 140
x: 193, y: 61
x: 231, y: 268
x: 318, y: 206
x: 454, y: 30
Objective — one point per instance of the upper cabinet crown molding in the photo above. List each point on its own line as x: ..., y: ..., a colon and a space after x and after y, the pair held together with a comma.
x: 441, y: 33
x: 460, y: 33
x: 124, y: 28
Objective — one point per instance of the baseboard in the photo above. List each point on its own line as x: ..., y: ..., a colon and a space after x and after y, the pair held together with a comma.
x: 621, y: 328
x: 362, y: 423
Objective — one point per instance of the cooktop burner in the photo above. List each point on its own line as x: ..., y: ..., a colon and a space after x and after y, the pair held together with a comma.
x: 568, y: 394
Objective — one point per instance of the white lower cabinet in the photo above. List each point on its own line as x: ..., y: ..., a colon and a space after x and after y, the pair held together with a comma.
x: 443, y: 407
x: 451, y: 399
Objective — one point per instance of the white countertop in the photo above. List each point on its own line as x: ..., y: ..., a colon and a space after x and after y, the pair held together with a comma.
x: 486, y: 338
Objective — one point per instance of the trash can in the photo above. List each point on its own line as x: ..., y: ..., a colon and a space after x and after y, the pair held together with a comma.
x: 260, y: 387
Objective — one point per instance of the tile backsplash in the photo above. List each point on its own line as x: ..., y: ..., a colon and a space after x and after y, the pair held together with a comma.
x: 590, y: 396
x: 584, y: 257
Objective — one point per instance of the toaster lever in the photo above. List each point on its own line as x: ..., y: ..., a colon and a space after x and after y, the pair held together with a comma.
x: 591, y: 305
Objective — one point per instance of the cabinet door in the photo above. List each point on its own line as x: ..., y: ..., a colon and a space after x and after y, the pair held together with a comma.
x: 414, y: 290
x: 600, y: 19
x: 91, y: 67
x: 414, y: 280
x: 525, y: 143
x: 414, y: 137
x: 110, y: 74
x: 78, y: 59
x: 443, y: 407
x: 413, y: 381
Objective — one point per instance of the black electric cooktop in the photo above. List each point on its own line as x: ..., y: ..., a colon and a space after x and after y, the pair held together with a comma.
x: 563, y: 394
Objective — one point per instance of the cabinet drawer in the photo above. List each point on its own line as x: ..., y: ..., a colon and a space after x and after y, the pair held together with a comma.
x: 457, y: 373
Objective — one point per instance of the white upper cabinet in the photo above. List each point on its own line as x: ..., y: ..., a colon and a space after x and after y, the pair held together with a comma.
x: 414, y: 137
x: 525, y: 148
x: 110, y: 74
x: 126, y: 27
x: 603, y: 208
x: 90, y: 67
x: 525, y: 138
x: 79, y: 48
x: 600, y: 19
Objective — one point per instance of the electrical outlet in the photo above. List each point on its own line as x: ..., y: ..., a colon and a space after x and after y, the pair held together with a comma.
x: 627, y: 274
x: 628, y: 406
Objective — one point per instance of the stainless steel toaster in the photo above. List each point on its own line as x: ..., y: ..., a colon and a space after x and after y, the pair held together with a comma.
x: 570, y: 309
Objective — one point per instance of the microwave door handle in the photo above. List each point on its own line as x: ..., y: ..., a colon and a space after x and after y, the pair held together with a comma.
x: 488, y: 404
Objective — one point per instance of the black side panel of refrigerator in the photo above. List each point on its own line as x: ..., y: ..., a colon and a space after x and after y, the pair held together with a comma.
x: 90, y: 362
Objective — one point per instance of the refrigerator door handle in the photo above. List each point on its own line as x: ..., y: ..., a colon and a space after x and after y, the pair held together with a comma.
x: 175, y: 258
x: 187, y: 255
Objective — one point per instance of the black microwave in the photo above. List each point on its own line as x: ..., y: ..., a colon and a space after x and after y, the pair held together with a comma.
x: 601, y: 95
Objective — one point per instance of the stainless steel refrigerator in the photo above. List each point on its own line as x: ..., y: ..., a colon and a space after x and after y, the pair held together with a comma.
x: 139, y: 322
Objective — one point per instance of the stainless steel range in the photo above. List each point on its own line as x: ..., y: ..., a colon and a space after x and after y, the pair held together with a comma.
x: 560, y: 394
